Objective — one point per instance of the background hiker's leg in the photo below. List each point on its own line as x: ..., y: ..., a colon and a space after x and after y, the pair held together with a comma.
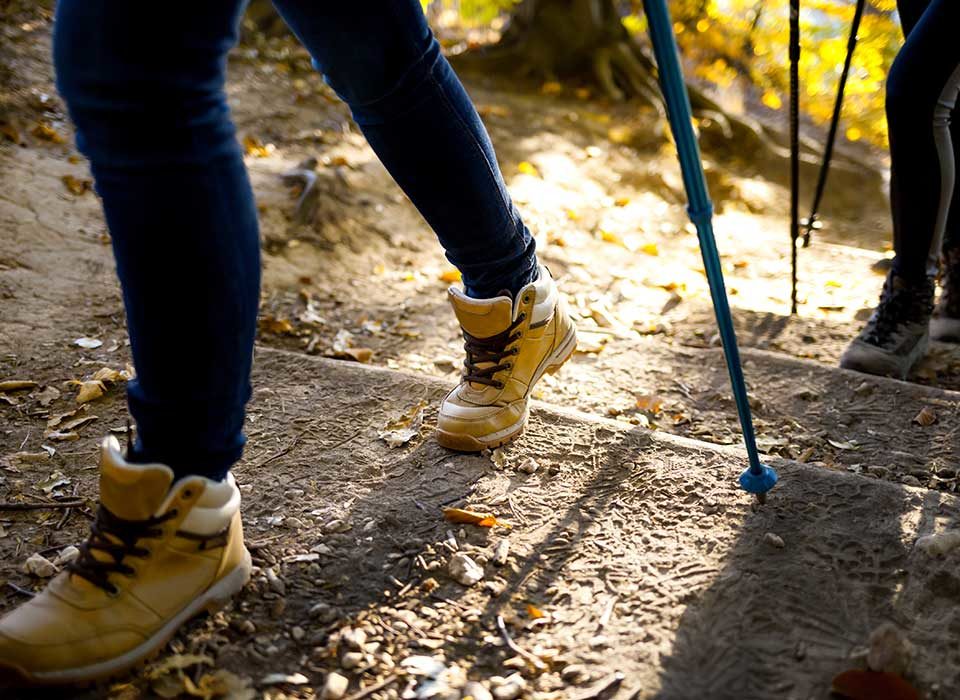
x: 144, y: 85
x: 921, y: 90
x: 382, y: 59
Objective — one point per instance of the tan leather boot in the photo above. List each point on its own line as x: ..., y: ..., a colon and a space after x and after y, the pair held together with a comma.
x: 510, y: 344
x: 158, y: 554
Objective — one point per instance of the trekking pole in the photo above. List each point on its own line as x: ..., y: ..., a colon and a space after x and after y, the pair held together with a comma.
x: 758, y: 478
x: 794, y: 147
x: 811, y: 223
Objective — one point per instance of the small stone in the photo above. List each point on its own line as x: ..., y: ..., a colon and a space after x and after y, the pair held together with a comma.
x: 275, y: 582
x: 599, y: 641
x: 243, y: 625
x: 353, y: 638
x: 474, y: 690
x: 464, y: 570
x: 352, y: 660
x: 516, y: 663
x: 323, y: 613
x: 39, y: 566
x: 939, y: 543
x: 774, y: 540
x: 334, y: 687
x: 278, y: 608
x: 336, y: 525
x: 293, y: 523
x: 528, y: 465
x: 890, y: 650
x: 297, y: 633
x: 512, y: 688
x: 67, y: 555
x: 501, y: 553
x: 575, y: 674
x: 909, y: 480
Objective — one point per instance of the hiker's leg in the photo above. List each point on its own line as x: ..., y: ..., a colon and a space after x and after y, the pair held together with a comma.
x: 921, y: 94
x: 144, y: 86
x: 384, y: 62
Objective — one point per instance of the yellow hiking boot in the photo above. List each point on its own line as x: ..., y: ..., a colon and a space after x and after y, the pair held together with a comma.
x: 158, y: 554
x: 510, y: 344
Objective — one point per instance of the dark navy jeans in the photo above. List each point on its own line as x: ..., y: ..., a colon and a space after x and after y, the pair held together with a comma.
x: 144, y: 84
x: 922, y: 93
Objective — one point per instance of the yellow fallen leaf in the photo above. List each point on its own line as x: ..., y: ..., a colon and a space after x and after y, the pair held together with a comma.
x: 622, y: 201
x: 583, y: 93
x: 76, y: 185
x: 535, y: 613
x: 44, y: 131
x: 469, y: 517
x: 610, y: 237
x: 17, y: 385
x: 253, y: 147
x: 89, y: 389
x: 926, y: 417
x: 832, y: 283
x: 650, y: 249
x: 573, y: 215
x: 528, y: 168
x: 551, y: 87
x: 652, y: 404
x: 277, y: 326
x: 451, y: 276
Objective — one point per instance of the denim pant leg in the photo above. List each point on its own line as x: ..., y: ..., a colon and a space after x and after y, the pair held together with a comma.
x: 383, y: 61
x: 922, y: 91
x: 144, y: 86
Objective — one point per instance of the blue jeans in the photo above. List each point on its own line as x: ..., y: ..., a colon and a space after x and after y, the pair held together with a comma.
x: 144, y: 84
x: 922, y: 92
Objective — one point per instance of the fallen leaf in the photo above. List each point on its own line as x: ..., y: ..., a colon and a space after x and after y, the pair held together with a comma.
x: 177, y: 662
x: 252, y: 146
x: 76, y: 185
x: 451, y: 276
x: 16, y: 385
x: 89, y: 389
x: 10, y: 131
x: 220, y: 684
x: 551, y: 87
x: 621, y: 201
x: 650, y: 249
x: 873, y: 685
x: 573, y: 215
x: 926, y: 417
x: 399, y: 432
x: 63, y: 437
x: 528, y: 168
x: 29, y: 457
x: 843, y: 445
x: 44, y: 131
x: 469, y: 517
x: 610, y: 237
x: 493, y: 111
x: 276, y: 326
x: 651, y: 404
x: 54, y: 482
x: 535, y: 613
x: 88, y: 343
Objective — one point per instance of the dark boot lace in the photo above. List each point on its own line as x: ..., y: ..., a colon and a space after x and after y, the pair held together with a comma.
x: 949, y: 304
x: 118, y: 539
x: 901, y: 304
x: 491, y: 352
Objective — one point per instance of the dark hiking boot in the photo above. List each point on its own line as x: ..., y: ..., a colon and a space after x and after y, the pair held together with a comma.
x: 945, y: 324
x: 896, y: 336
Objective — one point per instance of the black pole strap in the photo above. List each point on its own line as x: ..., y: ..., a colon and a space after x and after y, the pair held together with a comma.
x: 794, y: 147
x: 811, y: 223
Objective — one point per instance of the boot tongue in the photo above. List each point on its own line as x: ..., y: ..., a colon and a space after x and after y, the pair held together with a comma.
x: 482, y: 318
x: 131, y: 491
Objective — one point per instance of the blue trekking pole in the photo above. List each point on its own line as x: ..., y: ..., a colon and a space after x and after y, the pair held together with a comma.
x: 758, y: 478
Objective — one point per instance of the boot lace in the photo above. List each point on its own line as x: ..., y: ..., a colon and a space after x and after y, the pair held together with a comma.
x: 899, y: 306
x: 118, y: 539
x: 491, y: 351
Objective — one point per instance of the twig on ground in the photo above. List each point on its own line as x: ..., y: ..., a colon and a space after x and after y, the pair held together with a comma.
x: 535, y: 660
x: 40, y: 506
x: 21, y: 591
x: 386, y: 682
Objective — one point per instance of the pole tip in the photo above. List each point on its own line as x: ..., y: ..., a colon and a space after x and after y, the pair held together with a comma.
x: 758, y: 483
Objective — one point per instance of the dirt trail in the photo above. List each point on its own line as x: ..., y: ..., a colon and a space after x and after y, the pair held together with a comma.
x: 612, y: 513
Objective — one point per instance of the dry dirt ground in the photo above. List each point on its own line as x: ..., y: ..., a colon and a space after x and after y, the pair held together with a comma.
x: 634, y: 548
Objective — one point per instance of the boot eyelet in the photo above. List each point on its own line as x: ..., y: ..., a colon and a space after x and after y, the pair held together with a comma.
x: 498, y: 385
x: 526, y: 299
x: 113, y: 592
x: 186, y: 495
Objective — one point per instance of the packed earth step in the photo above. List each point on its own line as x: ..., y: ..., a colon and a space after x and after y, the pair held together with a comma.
x: 629, y: 552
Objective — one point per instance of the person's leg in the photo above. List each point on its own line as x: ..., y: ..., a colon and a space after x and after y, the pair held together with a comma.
x: 921, y: 93
x: 145, y: 91
x: 144, y: 85
x: 383, y: 61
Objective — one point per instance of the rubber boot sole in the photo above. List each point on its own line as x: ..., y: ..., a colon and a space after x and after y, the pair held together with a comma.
x: 211, y: 600
x: 463, y: 442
